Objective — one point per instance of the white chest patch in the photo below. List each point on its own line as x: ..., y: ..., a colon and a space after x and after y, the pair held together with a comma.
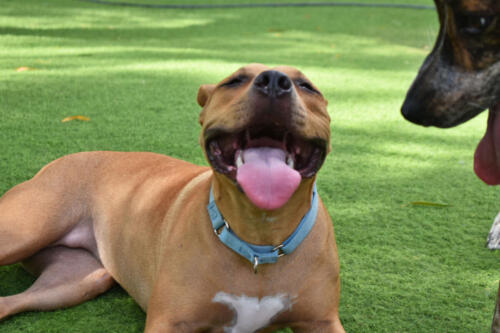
x: 251, y: 313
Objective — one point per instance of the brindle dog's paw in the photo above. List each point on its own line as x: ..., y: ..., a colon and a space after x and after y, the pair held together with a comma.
x: 493, y: 241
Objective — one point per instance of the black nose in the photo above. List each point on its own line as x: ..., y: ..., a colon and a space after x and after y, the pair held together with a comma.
x: 273, y: 84
x: 414, y: 111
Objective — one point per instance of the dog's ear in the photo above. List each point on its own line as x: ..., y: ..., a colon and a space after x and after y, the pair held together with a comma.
x: 204, y: 93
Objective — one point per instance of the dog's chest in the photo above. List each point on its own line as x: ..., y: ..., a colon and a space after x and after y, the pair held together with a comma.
x: 252, y: 313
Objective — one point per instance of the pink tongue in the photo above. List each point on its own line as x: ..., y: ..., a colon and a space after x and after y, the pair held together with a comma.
x: 266, y: 178
x: 487, y: 156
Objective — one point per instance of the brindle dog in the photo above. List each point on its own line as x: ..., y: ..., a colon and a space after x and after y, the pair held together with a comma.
x: 460, y: 79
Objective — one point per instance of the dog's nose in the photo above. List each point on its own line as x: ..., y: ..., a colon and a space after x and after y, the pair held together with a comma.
x: 413, y: 111
x: 273, y: 84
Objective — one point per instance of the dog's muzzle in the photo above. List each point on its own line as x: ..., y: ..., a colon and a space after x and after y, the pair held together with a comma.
x: 269, y: 152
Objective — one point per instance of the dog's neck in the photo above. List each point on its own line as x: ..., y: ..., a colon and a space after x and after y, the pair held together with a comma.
x: 254, y: 225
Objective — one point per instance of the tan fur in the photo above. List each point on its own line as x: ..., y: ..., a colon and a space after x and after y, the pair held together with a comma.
x: 142, y: 219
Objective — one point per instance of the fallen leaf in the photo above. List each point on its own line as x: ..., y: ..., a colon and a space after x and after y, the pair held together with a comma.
x: 430, y: 204
x: 24, y: 68
x: 82, y: 118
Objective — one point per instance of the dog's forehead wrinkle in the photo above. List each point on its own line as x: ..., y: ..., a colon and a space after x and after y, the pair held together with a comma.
x: 290, y: 71
x: 251, y: 70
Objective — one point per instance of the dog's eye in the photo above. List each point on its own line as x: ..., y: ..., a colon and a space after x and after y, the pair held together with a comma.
x: 474, y: 24
x: 235, y: 81
x: 306, y: 86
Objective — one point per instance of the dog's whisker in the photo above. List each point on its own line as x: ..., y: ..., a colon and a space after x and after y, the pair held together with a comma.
x: 477, y: 105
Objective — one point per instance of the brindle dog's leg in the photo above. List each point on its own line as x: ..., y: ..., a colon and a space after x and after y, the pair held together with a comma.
x: 495, y: 326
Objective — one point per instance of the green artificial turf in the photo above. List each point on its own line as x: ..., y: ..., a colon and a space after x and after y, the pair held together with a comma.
x: 135, y: 72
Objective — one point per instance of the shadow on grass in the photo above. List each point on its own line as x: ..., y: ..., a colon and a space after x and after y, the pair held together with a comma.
x: 247, y: 35
x: 90, y: 317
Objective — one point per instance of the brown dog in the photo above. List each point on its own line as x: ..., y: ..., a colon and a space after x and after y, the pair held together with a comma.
x: 141, y: 219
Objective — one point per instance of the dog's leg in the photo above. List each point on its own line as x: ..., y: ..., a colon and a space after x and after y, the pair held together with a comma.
x: 495, y: 326
x: 38, y: 212
x: 66, y: 277
x: 493, y: 240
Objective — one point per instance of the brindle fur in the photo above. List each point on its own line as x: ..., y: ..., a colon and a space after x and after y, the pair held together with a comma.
x: 461, y: 76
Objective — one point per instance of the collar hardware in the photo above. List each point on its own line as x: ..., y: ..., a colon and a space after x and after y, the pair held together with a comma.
x: 261, y: 254
x: 255, y: 264
x: 218, y: 231
x: 279, y: 248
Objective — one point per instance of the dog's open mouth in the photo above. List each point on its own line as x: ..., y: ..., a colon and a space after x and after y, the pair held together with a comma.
x: 267, y: 162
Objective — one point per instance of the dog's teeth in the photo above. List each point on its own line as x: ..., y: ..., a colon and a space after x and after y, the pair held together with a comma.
x: 239, y: 160
x: 290, y: 162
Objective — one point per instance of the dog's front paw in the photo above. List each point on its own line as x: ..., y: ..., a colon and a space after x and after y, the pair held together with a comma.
x: 493, y: 241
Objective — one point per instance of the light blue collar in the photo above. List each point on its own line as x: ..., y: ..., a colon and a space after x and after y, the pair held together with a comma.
x: 262, y: 254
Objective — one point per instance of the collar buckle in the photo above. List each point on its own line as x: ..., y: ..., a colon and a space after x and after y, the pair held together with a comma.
x: 279, y: 248
x: 219, y: 230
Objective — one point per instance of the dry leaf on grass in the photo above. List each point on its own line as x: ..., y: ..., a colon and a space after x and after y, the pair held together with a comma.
x: 82, y: 118
x: 24, y: 68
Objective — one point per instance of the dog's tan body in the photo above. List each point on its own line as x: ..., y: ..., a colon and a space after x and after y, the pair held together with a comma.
x: 140, y: 219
